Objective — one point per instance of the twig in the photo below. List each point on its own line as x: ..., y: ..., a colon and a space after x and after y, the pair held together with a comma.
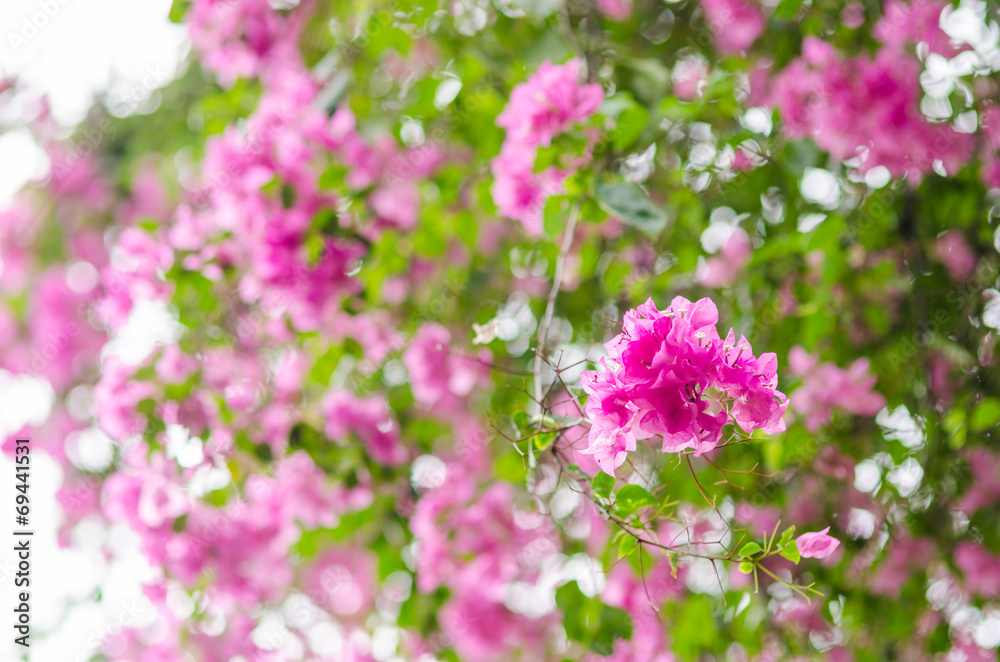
x: 550, y: 306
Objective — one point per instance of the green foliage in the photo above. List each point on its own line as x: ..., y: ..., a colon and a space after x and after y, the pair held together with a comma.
x: 590, y: 622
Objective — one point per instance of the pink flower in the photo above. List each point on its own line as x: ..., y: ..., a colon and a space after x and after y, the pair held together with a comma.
x: 548, y: 104
x: 440, y: 377
x: 853, y: 15
x: 342, y: 581
x: 914, y: 22
x: 905, y: 555
x: 518, y: 191
x: 63, y: 341
x: 981, y: 569
x: 736, y: 24
x: 985, y: 485
x: 397, y: 205
x: 816, y: 545
x: 690, y: 75
x: 239, y: 38
x: 369, y: 419
x: 470, y: 537
x: 826, y: 386
x: 721, y: 270
x: 616, y: 10
x: 953, y: 251
x: 654, y: 381
x: 482, y: 630
x: 865, y: 109
x: 116, y: 399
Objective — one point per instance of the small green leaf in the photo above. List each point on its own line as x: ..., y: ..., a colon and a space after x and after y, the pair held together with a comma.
x: 985, y: 415
x: 521, y: 423
x: 787, y: 8
x: 791, y: 552
x: 630, y: 125
x: 749, y: 549
x: 954, y: 424
x: 602, y: 485
x: 786, y: 536
x: 554, y: 217
x: 178, y: 8
x: 633, y: 497
x: 613, y: 624
x: 543, y: 440
x: 746, y: 567
x: 629, y: 203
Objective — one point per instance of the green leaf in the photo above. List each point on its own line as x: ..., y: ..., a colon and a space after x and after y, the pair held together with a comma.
x: 511, y: 468
x: 521, y: 423
x: 543, y: 440
x: 178, y: 8
x: 629, y: 203
x: 613, y: 624
x: 954, y: 424
x: 575, y: 607
x: 786, y: 536
x: 985, y: 415
x: 749, y: 549
x: 629, y: 128
x: 694, y: 629
x: 180, y: 523
x: 602, y: 485
x: 539, y: 9
x: 554, y: 217
x: 590, y: 621
x: 787, y: 8
x: 633, y: 497
x: 649, y: 76
x: 791, y: 552
x: 746, y: 567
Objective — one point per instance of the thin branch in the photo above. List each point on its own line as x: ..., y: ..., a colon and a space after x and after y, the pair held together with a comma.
x: 550, y: 306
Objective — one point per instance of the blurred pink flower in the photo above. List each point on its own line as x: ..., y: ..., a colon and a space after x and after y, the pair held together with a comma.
x: 549, y: 103
x: 953, y: 251
x: 816, y: 545
x: 826, y: 386
x: 865, y: 108
x: 906, y: 23
x: 616, y: 10
x: 690, y: 74
x: 722, y: 269
x: 736, y: 24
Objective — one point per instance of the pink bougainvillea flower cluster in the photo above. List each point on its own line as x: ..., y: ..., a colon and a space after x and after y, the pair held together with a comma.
x: 914, y: 22
x: 238, y: 38
x: 543, y: 107
x: 865, y: 109
x: 477, y: 544
x: 670, y: 374
x: 245, y: 316
x: 826, y: 387
x: 440, y: 379
x: 736, y: 24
